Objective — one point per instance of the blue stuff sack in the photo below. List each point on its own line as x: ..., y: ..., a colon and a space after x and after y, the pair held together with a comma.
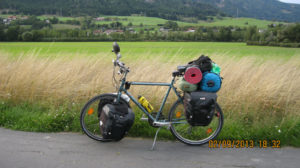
x: 211, y: 82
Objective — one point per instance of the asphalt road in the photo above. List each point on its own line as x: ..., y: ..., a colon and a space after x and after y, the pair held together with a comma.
x: 71, y: 150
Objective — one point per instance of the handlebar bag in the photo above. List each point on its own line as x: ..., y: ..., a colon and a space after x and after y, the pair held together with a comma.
x: 115, y: 121
x: 199, y: 107
x: 211, y: 82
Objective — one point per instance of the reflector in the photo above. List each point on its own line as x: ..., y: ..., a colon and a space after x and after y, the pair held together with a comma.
x: 91, y: 111
x: 209, y: 130
x: 178, y: 114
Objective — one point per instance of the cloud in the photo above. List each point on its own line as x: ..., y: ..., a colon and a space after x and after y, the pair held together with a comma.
x: 291, y: 1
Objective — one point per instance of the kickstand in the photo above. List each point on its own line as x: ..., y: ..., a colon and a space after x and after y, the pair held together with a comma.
x: 153, y: 145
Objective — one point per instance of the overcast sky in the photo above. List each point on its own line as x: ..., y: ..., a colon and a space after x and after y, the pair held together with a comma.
x: 291, y: 1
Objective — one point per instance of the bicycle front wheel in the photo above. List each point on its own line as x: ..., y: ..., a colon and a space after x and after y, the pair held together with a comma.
x: 89, y: 118
x: 194, y: 135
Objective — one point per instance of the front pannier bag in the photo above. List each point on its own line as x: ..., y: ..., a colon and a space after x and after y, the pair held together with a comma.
x: 115, y: 121
x: 199, y: 107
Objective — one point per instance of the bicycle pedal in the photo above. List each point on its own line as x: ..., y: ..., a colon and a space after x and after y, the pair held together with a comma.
x: 143, y: 118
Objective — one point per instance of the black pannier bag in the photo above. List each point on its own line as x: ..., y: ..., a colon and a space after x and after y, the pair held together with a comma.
x: 115, y: 121
x: 203, y: 62
x: 199, y: 107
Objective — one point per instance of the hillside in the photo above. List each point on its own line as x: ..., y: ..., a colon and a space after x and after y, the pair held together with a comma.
x: 167, y: 9
x: 225, y: 21
x: 260, y: 9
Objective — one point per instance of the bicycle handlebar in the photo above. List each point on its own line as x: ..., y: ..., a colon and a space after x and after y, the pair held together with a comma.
x: 121, y: 65
x: 117, y: 62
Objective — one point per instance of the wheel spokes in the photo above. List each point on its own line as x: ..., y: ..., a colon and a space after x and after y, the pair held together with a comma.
x: 193, y: 133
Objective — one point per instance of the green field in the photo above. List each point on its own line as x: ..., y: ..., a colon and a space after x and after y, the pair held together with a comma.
x: 240, y: 22
x: 152, y: 22
x: 65, y: 26
x: 184, y: 50
x: 60, y: 18
x: 43, y: 86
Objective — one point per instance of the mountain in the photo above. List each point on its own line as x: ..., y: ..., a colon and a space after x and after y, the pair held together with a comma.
x: 168, y: 9
x: 260, y: 9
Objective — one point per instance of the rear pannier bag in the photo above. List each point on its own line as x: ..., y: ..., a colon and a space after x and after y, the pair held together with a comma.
x: 115, y: 121
x: 199, y: 107
x: 203, y: 62
x: 211, y: 82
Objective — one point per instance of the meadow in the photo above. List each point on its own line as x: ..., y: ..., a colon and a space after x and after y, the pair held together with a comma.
x: 43, y: 86
x: 131, y: 50
x: 225, y: 21
x: 152, y: 22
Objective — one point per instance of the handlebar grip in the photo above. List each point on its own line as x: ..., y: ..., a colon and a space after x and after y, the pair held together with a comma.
x: 121, y: 65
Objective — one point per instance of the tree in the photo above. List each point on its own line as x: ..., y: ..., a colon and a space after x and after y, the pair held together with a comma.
x: 36, y: 35
x: 54, y: 20
x: 225, y: 34
x: 86, y: 23
x: 116, y: 25
x: 171, y: 25
x: 292, y: 33
x: 38, y: 25
x: 130, y: 24
x: 27, y: 36
x: 12, y: 33
x: 252, y: 34
x: 2, y: 34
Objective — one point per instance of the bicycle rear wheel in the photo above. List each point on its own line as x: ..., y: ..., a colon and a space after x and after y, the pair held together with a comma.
x: 194, y: 135
x: 89, y: 118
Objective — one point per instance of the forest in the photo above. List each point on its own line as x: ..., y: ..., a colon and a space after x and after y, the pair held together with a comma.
x: 167, y: 9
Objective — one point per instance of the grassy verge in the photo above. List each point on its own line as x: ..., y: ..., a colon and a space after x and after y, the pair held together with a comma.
x: 43, y: 118
x: 260, y: 98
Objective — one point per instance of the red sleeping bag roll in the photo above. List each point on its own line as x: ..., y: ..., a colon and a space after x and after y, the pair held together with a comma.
x: 193, y: 75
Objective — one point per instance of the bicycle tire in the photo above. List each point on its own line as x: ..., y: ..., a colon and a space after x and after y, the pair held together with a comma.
x: 200, y: 141
x: 83, y: 114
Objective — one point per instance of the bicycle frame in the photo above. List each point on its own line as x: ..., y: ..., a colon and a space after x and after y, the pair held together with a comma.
x: 170, y: 85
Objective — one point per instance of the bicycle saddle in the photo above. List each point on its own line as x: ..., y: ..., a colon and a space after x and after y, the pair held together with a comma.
x: 181, y: 68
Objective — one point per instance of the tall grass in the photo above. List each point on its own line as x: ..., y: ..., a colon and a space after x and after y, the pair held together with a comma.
x: 255, y: 94
x: 249, y: 85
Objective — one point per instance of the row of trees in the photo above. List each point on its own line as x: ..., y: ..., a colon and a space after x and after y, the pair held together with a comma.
x: 17, y: 33
x: 42, y: 31
x: 280, y: 35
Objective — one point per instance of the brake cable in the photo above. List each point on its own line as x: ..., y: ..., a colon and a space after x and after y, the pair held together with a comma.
x: 114, y: 80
